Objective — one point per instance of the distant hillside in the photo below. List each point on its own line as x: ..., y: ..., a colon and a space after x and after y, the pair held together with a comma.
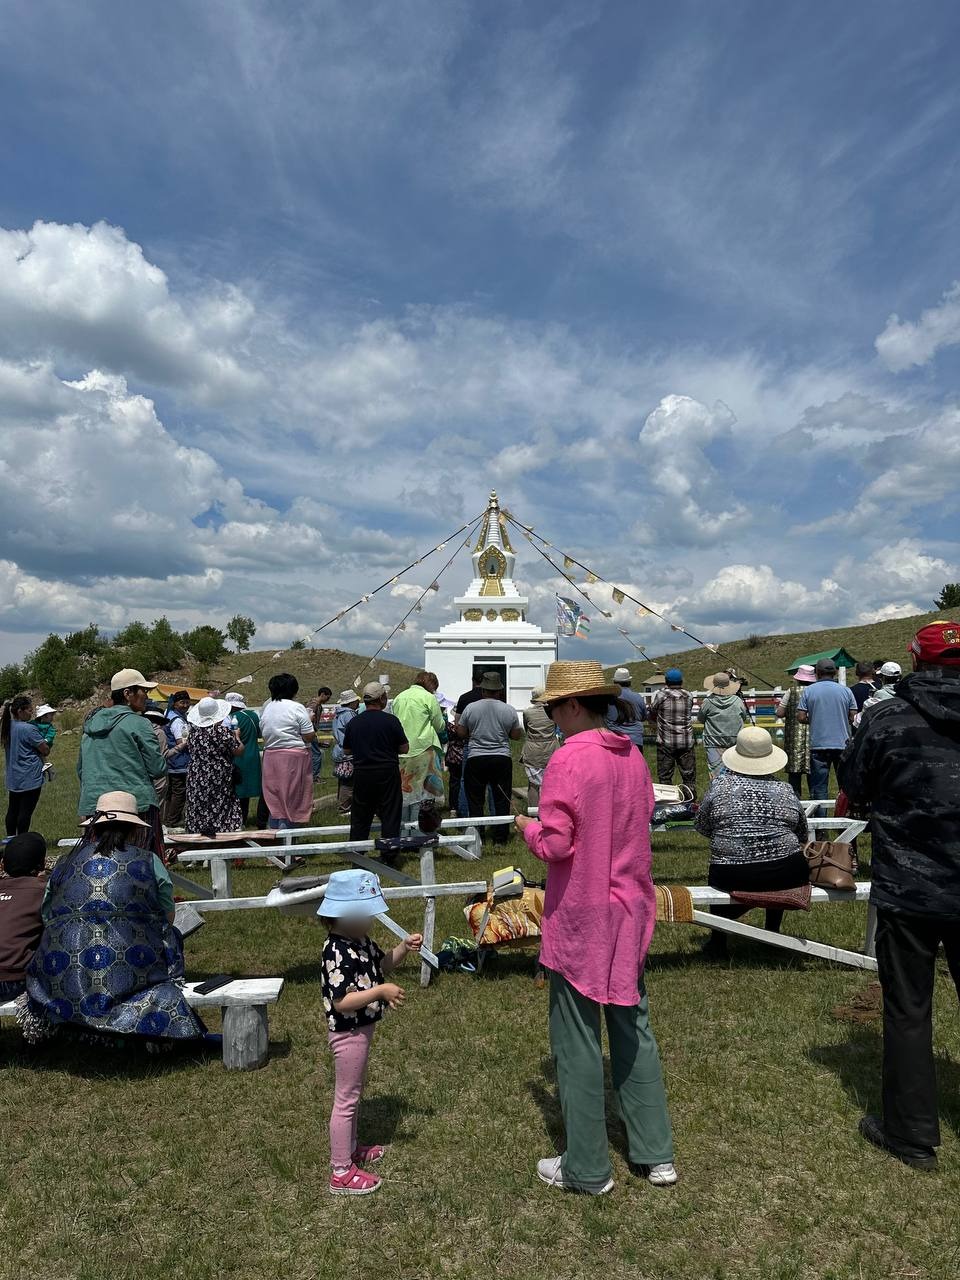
x: 769, y: 657
x: 312, y: 667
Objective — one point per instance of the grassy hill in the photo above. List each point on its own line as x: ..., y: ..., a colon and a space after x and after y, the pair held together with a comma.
x: 312, y: 667
x: 768, y: 657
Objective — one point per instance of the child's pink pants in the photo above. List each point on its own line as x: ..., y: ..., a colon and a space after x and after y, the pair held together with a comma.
x: 351, y: 1050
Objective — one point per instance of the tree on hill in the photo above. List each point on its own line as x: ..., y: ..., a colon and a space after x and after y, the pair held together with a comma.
x: 206, y: 644
x: 949, y: 597
x: 241, y: 631
x: 12, y: 681
x: 146, y: 648
x: 66, y: 666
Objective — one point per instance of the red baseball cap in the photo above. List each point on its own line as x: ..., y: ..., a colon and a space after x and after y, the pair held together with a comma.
x: 939, y: 642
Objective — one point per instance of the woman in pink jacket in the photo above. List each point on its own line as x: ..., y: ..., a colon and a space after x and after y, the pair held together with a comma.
x: 598, y: 918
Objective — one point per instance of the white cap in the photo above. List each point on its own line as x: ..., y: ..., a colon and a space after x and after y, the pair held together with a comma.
x: 373, y: 691
x: 888, y: 669
x: 622, y: 676
x: 130, y: 678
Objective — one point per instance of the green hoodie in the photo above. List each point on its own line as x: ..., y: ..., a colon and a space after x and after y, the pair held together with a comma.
x: 118, y: 752
x: 722, y: 715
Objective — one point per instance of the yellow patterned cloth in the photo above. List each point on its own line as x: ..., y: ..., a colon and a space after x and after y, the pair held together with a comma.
x: 514, y: 920
x: 674, y: 904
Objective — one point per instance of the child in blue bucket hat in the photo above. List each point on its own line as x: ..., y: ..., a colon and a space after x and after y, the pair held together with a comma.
x: 355, y: 997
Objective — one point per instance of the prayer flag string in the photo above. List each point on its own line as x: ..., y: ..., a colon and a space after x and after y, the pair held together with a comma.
x: 417, y: 605
x: 341, y: 613
x: 619, y: 594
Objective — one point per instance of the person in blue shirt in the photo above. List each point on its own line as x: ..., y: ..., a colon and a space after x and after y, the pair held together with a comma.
x: 26, y: 748
x: 829, y: 709
x: 634, y: 728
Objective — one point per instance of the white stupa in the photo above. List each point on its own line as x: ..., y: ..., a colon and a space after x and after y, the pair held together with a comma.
x: 493, y: 632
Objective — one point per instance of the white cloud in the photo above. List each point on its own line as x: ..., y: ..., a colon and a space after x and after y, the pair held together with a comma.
x: 694, y: 503
x: 367, y: 441
x: 743, y: 594
x: 89, y: 294
x: 904, y: 343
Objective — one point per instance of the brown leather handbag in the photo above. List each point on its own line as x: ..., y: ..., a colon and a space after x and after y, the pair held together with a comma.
x: 831, y: 863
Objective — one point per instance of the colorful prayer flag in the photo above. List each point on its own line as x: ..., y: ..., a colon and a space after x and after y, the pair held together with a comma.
x: 568, y: 611
x: 618, y: 596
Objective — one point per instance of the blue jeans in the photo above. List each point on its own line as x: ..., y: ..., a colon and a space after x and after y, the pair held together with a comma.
x: 820, y: 762
x: 316, y: 755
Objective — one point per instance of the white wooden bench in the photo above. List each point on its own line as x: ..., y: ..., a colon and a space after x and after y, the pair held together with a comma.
x: 244, y: 1002
x: 704, y: 896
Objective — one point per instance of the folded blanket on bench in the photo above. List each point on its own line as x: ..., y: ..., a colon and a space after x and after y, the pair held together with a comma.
x: 674, y: 904
x: 776, y: 899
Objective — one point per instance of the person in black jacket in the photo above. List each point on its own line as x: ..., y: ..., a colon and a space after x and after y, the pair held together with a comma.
x: 904, y: 763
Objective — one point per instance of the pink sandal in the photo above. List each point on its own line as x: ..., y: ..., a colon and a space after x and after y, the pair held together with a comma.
x: 354, y: 1183
x: 368, y: 1155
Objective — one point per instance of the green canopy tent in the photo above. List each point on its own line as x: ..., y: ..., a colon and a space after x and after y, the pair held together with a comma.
x: 839, y: 656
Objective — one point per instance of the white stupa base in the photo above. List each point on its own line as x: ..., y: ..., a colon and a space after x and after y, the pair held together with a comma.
x: 520, y: 651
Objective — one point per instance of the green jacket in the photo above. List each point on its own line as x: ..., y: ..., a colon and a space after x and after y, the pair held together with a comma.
x: 421, y: 716
x: 118, y: 752
x: 722, y: 715
x: 248, y: 765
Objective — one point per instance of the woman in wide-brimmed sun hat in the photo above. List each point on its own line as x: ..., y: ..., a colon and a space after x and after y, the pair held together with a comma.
x: 212, y: 805
x: 109, y: 956
x: 755, y: 826
x: 599, y: 910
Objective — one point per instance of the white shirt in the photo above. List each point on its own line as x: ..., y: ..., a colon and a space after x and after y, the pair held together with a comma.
x: 283, y: 724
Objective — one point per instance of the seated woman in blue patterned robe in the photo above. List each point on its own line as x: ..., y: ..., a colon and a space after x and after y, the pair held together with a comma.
x: 109, y: 955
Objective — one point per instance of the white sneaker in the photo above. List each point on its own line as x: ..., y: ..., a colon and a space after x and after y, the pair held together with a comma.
x: 550, y: 1172
x: 661, y: 1175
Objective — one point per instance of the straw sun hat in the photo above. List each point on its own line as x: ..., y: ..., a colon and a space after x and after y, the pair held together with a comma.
x: 754, y: 754
x: 576, y: 680
x: 115, y: 806
x: 723, y: 682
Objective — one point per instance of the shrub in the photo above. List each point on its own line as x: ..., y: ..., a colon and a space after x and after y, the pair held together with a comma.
x: 299, y: 644
x: 206, y: 644
x: 754, y: 641
x: 11, y: 681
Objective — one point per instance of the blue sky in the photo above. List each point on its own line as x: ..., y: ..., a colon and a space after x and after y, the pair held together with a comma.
x: 284, y: 290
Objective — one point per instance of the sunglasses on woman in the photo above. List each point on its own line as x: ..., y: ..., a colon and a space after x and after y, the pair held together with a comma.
x: 549, y: 706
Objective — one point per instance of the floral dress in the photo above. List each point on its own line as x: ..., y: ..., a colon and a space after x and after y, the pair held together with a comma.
x: 350, y: 964
x: 211, y: 802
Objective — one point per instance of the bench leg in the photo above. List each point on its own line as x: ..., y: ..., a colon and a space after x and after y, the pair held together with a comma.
x: 221, y: 878
x: 427, y: 876
x: 246, y: 1041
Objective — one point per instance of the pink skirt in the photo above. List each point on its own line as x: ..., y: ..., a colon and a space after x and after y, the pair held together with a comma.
x: 288, y: 783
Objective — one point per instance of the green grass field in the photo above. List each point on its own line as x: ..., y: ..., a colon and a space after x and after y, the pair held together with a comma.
x: 145, y: 1169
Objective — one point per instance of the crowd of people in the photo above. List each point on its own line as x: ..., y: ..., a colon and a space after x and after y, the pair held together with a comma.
x: 91, y: 947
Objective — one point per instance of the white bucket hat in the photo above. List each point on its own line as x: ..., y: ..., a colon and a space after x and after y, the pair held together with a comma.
x: 236, y: 700
x: 622, y: 676
x: 45, y: 709
x: 351, y: 894
x: 754, y: 754
x: 209, y: 711
x: 348, y: 697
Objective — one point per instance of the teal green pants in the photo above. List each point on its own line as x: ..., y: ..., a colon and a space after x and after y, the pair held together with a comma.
x: 636, y: 1074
